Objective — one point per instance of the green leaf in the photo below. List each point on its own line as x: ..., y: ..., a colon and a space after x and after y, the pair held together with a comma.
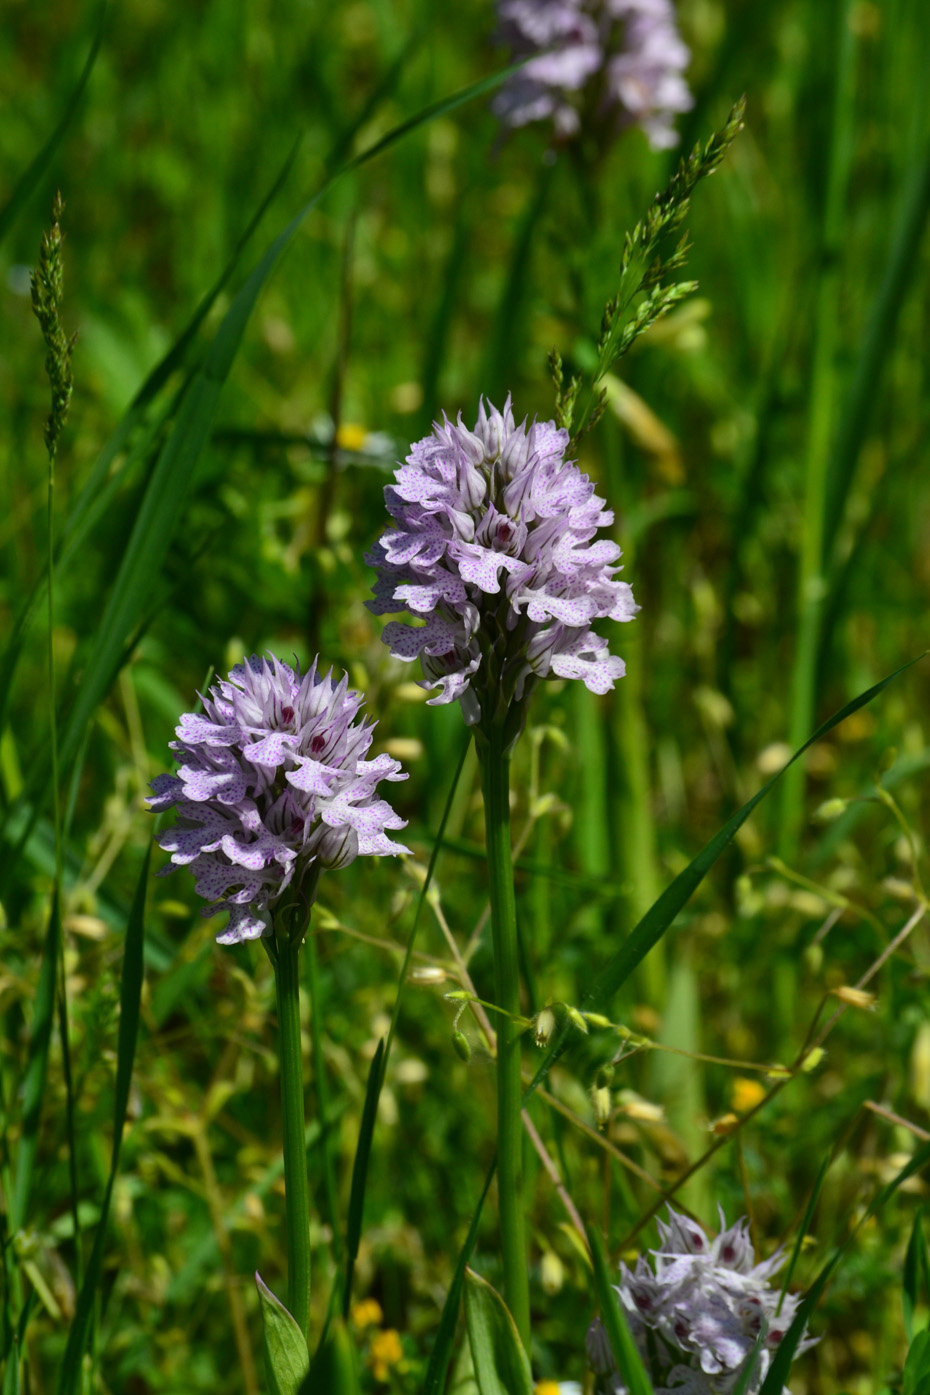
x: 917, y: 1366
x: 335, y: 1366
x: 360, y: 1170
x: 36, y: 168
x: 660, y: 916
x: 916, y: 1272
x: 442, y: 1347
x: 36, y: 1068
x: 287, y: 1360
x: 70, y: 1374
x: 502, y: 1367
x: 626, y: 1353
x: 804, y: 1228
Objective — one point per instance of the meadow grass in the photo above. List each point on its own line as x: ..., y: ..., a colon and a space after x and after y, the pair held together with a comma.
x: 278, y: 277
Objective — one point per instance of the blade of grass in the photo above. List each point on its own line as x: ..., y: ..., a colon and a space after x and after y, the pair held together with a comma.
x: 32, y: 175
x: 360, y: 1172
x: 625, y: 1352
x: 804, y: 1228
x: 322, y: 1098
x: 660, y: 916
x: 778, y: 1371
x: 36, y: 1069
x: 70, y: 1376
x: 441, y: 1354
x: 916, y: 1272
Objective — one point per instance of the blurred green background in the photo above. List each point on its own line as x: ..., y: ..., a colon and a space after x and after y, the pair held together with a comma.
x: 766, y: 458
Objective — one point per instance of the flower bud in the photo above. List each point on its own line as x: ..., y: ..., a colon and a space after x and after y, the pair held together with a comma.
x: 337, y: 847
x: 461, y: 1046
x: 545, y: 1026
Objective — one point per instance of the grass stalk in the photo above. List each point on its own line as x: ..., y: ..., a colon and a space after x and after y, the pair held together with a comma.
x: 495, y: 784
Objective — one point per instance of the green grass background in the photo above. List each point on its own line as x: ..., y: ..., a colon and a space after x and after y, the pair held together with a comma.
x: 780, y: 435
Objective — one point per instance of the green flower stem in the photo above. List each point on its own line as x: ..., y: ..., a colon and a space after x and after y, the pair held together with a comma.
x: 495, y: 784
x: 287, y: 984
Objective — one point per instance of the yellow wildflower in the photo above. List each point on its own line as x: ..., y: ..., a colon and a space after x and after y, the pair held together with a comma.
x: 746, y: 1093
x: 386, y: 1351
x: 367, y: 1313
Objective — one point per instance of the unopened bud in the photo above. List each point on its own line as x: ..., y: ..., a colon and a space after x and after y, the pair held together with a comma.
x: 812, y: 1059
x: 597, y: 1019
x: 724, y: 1125
x: 461, y: 1046
x: 829, y: 810
x: 600, y: 1099
x: 459, y: 995
x: 426, y: 974
x: 575, y: 1017
x: 778, y: 1072
x: 854, y: 997
x: 545, y: 1026
x: 551, y: 1272
x: 604, y: 1077
x: 337, y: 847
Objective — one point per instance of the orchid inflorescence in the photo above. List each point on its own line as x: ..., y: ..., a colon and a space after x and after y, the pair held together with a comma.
x: 699, y: 1312
x: 273, y: 787
x: 621, y: 61
x: 493, y: 549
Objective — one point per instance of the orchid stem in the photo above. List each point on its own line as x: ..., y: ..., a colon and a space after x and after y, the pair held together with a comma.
x: 287, y: 984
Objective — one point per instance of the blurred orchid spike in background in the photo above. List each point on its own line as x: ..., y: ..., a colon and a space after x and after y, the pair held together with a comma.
x: 272, y: 788
x: 698, y: 1311
x: 613, y: 63
x: 493, y: 549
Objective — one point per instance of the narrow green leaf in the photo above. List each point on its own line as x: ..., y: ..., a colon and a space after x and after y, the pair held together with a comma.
x: 335, y: 1366
x: 661, y: 915
x: 360, y: 1171
x: 33, y: 173
x: 916, y: 1379
x: 36, y: 1068
x: 502, y: 1367
x: 69, y: 1376
x: 916, y: 1272
x: 804, y: 1228
x: 625, y: 1351
x: 442, y: 1348
x: 287, y: 1360
x: 778, y: 1371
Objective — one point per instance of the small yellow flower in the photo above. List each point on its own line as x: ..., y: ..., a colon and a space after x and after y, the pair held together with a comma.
x: 350, y: 436
x: 367, y: 1313
x: 746, y: 1094
x: 386, y: 1351
x: 547, y: 1387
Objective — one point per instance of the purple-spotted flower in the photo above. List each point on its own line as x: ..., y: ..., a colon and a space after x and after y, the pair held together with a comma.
x: 272, y: 787
x: 493, y: 551
x: 698, y: 1313
x: 617, y: 62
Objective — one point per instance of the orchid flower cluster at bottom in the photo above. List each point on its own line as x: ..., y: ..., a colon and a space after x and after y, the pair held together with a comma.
x: 698, y: 1313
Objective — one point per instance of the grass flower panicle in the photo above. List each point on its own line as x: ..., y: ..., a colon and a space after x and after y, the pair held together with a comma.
x: 622, y: 59
x: 697, y: 1312
x: 273, y: 787
x: 493, y: 549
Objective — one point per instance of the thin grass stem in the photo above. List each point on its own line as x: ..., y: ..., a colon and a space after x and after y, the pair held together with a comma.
x: 287, y: 985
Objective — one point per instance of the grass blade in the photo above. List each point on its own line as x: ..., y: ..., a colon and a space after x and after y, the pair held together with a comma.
x: 804, y: 1228
x: 660, y: 916
x: 36, y: 1068
x: 31, y: 176
x: 70, y: 1376
x: 625, y: 1351
x: 360, y: 1170
x: 916, y: 1272
x: 441, y: 1354
x: 778, y: 1371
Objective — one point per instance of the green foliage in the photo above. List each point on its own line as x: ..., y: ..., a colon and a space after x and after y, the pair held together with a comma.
x: 501, y: 1365
x: 626, y: 1355
x: 287, y: 1360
